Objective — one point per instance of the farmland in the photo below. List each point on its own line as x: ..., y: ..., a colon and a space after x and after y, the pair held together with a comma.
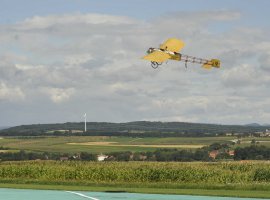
x: 246, y: 179
x: 145, y: 172
x: 230, y: 177
x: 103, y: 144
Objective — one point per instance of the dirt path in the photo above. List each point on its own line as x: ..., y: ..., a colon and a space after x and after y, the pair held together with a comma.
x: 188, y: 146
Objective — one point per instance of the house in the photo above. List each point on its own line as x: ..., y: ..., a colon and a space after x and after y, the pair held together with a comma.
x: 260, y: 133
x: 235, y: 141
x: 213, y: 154
x: 77, y: 131
x: 63, y: 158
x: 101, y: 157
x: 267, y: 132
x: 231, y: 152
x: 143, y: 157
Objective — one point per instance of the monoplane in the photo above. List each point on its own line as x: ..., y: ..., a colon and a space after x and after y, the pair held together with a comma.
x: 170, y: 50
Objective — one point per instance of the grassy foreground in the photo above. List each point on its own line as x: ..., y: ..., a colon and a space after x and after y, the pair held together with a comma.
x: 149, y: 190
x: 237, y: 179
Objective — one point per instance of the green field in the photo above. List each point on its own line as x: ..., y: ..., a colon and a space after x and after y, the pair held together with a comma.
x: 105, y: 144
x: 242, y: 179
x: 149, y: 190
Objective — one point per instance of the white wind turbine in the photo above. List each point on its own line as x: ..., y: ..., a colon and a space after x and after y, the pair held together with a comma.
x: 84, y: 122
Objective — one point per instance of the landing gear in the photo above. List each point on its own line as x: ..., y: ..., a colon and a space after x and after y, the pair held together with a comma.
x: 155, y: 64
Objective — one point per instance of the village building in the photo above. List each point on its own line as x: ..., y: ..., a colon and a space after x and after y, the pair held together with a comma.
x: 63, y: 158
x: 101, y: 157
x: 267, y: 132
x: 76, y: 131
x: 213, y: 154
x: 231, y: 152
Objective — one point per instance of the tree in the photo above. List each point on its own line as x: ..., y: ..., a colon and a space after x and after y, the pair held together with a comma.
x: 88, y: 156
x: 253, y: 142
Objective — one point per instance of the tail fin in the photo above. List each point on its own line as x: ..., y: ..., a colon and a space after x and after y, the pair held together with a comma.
x: 215, y: 63
x: 212, y: 63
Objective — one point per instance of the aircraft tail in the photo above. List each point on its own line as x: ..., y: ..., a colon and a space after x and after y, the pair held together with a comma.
x: 213, y: 63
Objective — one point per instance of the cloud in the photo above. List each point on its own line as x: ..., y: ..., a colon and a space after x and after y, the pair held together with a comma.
x: 265, y: 62
x: 92, y: 62
x: 58, y: 95
x: 51, y: 21
x: 9, y: 93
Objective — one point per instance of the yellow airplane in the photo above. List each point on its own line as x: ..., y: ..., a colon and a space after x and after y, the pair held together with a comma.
x: 170, y: 50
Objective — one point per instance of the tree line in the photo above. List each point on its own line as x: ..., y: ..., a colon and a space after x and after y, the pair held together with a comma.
x: 24, y: 155
x: 133, y: 129
x: 253, y: 152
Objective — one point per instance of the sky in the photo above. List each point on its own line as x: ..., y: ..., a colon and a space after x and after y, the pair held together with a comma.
x: 60, y: 59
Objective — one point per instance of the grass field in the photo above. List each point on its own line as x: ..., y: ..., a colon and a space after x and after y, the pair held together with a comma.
x: 149, y: 190
x: 104, y: 144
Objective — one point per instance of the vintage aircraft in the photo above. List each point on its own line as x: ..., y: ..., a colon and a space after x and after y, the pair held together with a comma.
x: 170, y: 50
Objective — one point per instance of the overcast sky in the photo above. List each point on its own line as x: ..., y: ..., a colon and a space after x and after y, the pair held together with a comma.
x: 60, y: 59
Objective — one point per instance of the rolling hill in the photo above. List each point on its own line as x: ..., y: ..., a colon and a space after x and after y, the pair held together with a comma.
x: 137, y: 128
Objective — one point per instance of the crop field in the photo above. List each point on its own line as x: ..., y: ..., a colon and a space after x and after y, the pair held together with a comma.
x: 104, y: 144
x: 259, y: 141
x: 230, y: 175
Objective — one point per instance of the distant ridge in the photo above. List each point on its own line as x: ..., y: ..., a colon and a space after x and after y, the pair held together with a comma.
x: 253, y: 124
x: 4, y: 127
x: 136, y: 129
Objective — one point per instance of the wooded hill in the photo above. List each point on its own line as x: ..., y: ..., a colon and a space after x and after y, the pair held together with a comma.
x: 136, y: 129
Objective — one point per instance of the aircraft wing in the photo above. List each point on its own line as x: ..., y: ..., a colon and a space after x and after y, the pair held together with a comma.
x: 172, y: 44
x: 157, y: 56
